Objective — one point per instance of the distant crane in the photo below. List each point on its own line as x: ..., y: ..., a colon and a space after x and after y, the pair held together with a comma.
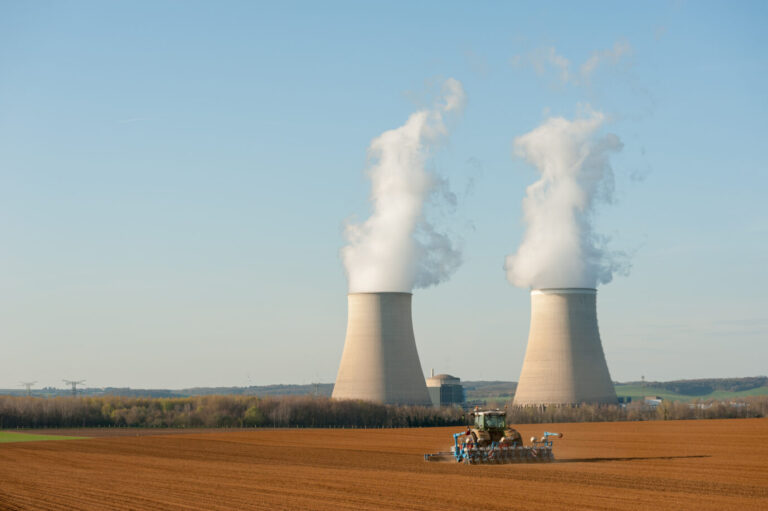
x: 28, y: 385
x: 74, y: 384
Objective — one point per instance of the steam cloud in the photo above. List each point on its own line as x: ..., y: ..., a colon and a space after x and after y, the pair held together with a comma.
x: 560, y: 247
x: 396, y: 248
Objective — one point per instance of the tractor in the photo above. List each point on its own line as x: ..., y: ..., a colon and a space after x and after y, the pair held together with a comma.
x: 491, y: 426
x: 490, y: 440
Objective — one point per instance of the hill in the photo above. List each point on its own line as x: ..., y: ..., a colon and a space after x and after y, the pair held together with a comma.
x: 480, y: 392
x: 689, y: 390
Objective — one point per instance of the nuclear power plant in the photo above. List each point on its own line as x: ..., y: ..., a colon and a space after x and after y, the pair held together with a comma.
x: 564, y: 362
x: 380, y: 362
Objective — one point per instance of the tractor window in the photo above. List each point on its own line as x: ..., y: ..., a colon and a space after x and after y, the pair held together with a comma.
x: 495, y: 421
x: 479, y: 421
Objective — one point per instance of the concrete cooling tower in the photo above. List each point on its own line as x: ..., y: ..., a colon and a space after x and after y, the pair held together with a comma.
x: 564, y: 362
x: 380, y: 362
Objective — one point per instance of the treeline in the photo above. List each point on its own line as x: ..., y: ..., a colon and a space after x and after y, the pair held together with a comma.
x: 322, y: 412
x: 706, y: 386
x: 748, y: 407
x: 216, y: 412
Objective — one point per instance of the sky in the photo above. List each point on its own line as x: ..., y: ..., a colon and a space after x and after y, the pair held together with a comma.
x: 175, y: 179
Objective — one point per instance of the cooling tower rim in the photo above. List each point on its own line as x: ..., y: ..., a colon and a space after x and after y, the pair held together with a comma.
x: 380, y: 293
x: 564, y: 291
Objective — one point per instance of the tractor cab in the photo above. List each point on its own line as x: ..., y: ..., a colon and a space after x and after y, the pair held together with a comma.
x: 490, y: 420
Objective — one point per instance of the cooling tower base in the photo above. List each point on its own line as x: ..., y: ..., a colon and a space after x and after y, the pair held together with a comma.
x: 380, y: 362
x: 564, y: 361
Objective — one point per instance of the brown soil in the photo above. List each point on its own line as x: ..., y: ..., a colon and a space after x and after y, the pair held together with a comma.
x: 719, y: 464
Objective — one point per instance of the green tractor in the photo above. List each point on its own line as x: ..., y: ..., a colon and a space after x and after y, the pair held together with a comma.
x: 491, y: 426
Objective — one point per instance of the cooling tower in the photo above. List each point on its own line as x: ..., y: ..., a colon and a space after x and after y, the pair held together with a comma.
x: 380, y: 362
x: 564, y: 362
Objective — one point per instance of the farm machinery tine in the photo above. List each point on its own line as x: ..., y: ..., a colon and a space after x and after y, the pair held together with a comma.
x: 496, y: 453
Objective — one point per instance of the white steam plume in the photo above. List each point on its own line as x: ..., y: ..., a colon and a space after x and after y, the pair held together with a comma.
x: 396, y: 249
x: 560, y: 247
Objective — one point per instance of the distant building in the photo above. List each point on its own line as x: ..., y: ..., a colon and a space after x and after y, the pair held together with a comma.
x: 653, y: 401
x: 445, y: 390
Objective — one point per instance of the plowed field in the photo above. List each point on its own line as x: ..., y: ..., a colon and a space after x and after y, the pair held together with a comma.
x: 720, y: 464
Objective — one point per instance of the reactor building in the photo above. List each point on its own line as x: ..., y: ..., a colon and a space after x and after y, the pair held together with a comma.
x: 445, y: 390
x: 564, y: 361
x: 380, y: 362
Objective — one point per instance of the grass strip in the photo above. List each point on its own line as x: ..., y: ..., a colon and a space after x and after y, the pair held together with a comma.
x: 9, y: 437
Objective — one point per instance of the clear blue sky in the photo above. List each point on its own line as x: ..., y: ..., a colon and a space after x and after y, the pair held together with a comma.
x: 175, y: 177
